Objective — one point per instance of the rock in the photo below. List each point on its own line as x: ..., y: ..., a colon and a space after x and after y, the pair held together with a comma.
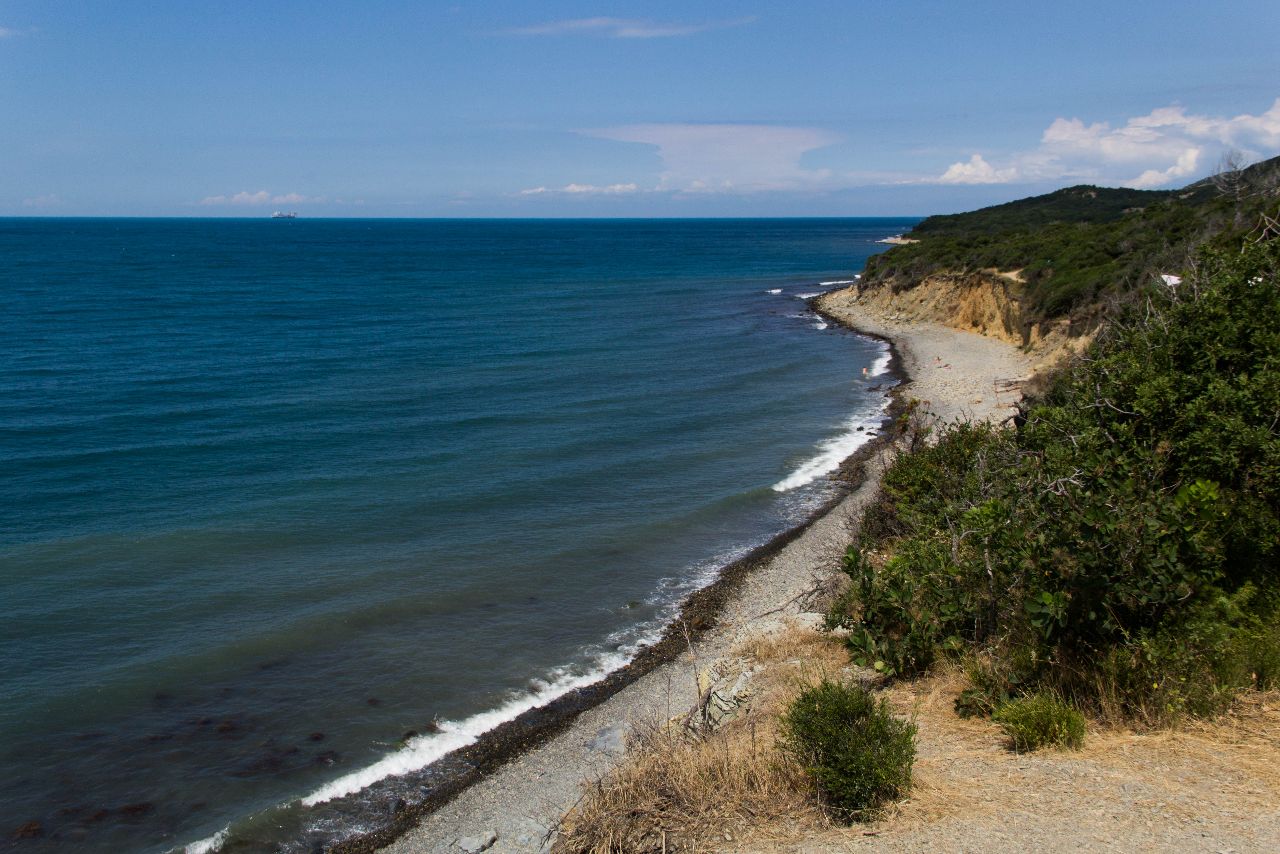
x: 809, y: 620
x: 612, y: 739
x: 476, y: 844
x: 531, y: 837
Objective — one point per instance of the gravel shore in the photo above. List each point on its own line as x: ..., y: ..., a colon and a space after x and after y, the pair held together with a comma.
x: 955, y: 375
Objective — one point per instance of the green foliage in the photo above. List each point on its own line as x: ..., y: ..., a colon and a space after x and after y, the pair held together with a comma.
x: 1082, y: 244
x: 1195, y: 663
x: 1123, y: 546
x: 919, y: 601
x: 993, y: 681
x: 859, y: 754
x: 1041, y: 720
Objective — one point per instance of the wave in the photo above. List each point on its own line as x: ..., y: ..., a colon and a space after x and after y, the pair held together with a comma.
x: 207, y: 845
x: 842, y: 281
x: 774, y: 291
x: 831, y: 453
x: 808, y: 296
x: 421, y: 751
x: 881, y: 365
x: 820, y: 325
x: 858, y: 430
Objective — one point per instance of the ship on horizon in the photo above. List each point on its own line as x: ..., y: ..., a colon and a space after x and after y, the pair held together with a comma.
x: 285, y: 215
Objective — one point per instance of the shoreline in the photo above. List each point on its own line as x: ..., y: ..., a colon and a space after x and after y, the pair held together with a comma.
x: 526, y: 773
x: 699, y: 614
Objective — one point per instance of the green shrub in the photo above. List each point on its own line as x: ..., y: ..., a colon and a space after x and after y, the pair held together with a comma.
x: 859, y: 754
x: 1124, y: 543
x: 993, y: 681
x: 1196, y: 662
x: 1041, y: 720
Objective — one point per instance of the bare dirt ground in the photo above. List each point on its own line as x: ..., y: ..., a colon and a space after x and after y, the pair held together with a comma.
x: 1208, y: 787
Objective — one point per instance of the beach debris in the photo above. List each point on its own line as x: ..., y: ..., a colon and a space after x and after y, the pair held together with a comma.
x: 475, y: 844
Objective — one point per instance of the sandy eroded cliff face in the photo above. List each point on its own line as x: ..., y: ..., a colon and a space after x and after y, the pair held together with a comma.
x: 988, y: 303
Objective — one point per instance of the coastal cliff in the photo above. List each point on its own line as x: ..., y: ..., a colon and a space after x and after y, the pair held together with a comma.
x: 987, y: 302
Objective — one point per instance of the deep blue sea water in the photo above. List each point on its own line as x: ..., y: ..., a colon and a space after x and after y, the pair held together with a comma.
x: 275, y: 493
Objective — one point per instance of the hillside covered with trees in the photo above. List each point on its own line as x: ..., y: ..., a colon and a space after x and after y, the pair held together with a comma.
x: 1084, y: 245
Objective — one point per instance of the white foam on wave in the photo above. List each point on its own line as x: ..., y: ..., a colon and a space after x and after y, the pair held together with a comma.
x: 421, y: 751
x: 881, y: 364
x: 207, y: 845
x: 858, y: 430
x: 840, y: 281
x: 808, y: 296
x: 831, y: 453
x: 774, y: 291
x: 820, y: 325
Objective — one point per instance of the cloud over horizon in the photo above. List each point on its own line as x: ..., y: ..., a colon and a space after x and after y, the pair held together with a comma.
x: 743, y: 158
x: 624, y: 28
x: 583, y: 190
x: 1145, y: 152
x: 261, y: 197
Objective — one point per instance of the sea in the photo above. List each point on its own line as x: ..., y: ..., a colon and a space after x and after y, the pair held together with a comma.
x: 291, y: 509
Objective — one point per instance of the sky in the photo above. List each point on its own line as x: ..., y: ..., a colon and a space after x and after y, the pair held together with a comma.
x: 592, y: 109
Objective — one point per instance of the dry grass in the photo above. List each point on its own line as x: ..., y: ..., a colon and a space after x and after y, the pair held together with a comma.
x: 677, y: 792
x: 733, y: 791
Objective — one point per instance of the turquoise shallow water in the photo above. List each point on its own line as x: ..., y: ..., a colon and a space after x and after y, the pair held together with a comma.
x: 275, y: 493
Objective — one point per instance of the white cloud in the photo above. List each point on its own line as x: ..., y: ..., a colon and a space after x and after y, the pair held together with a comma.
x: 976, y: 171
x: 50, y: 200
x: 1185, y: 166
x: 739, y: 158
x: 583, y: 190
x: 1148, y: 151
x: 6, y: 33
x: 261, y: 197
x: 623, y: 28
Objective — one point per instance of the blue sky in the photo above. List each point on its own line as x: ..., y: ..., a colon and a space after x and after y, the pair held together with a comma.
x: 382, y: 108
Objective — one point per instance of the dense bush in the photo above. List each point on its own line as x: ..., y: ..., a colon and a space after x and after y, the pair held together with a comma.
x: 1123, y: 546
x: 859, y: 754
x: 1041, y: 720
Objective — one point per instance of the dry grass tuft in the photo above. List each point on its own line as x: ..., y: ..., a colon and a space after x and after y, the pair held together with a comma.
x: 677, y: 792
